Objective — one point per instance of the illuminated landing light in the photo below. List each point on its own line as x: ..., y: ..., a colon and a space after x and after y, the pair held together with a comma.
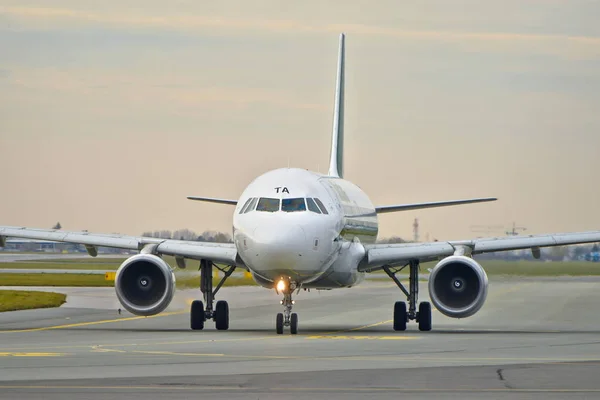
x: 281, y: 286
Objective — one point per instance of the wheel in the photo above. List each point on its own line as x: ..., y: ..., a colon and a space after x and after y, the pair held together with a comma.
x: 279, y: 323
x: 400, y: 316
x: 197, y: 315
x: 294, y: 324
x: 425, y: 316
x: 222, y: 315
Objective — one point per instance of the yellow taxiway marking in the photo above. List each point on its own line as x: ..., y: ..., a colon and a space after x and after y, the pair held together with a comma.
x: 358, y: 337
x: 100, y: 349
x: 336, y: 334
x: 31, y: 354
x: 78, y: 324
x: 173, y: 353
x: 358, y: 328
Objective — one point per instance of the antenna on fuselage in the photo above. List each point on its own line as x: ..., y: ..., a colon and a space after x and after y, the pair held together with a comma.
x: 336, y: 160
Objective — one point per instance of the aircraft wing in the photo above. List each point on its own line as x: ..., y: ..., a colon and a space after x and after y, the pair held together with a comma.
x: 225, y: 253
x: 416, y: 206
x: 213, y: 200
x: 378, y: 255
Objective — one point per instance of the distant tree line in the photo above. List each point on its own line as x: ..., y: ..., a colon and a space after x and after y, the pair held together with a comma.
x: 187, y: 234
x: 392, y: 239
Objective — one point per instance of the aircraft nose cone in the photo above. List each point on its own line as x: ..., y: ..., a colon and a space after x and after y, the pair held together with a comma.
x: 278, y: 248
x: 283, y: 237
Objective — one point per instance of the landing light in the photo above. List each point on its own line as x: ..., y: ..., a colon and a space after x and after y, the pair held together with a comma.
x: 281, y: 285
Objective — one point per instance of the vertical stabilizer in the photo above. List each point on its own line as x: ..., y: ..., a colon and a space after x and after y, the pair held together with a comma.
x: 336, y: 161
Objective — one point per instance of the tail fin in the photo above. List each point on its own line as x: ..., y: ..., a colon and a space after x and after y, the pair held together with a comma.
x: 336, y: 161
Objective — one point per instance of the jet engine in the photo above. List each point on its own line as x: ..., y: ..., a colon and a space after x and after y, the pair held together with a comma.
x: 458, y: 286
x: 145, y: 284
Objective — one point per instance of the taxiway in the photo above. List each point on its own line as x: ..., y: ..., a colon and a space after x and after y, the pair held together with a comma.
x: 534, y: 338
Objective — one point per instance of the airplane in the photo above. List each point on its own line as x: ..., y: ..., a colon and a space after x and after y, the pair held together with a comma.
x: 294, y: 230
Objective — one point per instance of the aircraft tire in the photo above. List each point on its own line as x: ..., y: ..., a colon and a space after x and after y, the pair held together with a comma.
x: 294, y: 323
x: 222, y: 315
x: 197, y: 315
x: 279, y: 323
x: 425, y: 316
x: 400, y: 316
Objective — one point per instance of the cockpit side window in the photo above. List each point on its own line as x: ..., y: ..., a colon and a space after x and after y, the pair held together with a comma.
x: 321, y: 206
x: 312, y: 206
x: 246, y: 205
x: 292, y: 205
x: 267, y: 204
x: 251, y: 205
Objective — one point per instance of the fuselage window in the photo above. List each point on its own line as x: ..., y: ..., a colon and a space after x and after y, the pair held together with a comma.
x: 321, y: 206
x: 267, y: 204
x: 251, y: 205
x: 245, y: 205
x: 312, y: 206
x: 291, y: 205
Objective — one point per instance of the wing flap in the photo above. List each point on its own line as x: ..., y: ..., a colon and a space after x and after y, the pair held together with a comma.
x: 395, y: 254
x: 382, y: 254
x: 85, y: 238
x: 217, y: 252
x: 525, y: 242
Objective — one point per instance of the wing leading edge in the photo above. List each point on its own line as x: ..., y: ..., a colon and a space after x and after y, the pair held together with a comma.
x: 416, y: 206
x: 218, y: 252
x: 394, y: 254
x: 213, y: 200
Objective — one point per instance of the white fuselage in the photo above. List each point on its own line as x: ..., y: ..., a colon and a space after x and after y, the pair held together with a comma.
x: 281, y: 230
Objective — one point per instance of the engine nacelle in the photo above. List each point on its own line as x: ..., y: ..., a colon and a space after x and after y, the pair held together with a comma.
x: 458, y: 286
x: 145, y: 284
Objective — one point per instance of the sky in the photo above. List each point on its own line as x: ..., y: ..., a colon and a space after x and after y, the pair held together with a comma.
x: 111, y: 113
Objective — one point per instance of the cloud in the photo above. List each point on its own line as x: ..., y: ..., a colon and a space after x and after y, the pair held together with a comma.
x: 164, y: 90
x: 43, y: 15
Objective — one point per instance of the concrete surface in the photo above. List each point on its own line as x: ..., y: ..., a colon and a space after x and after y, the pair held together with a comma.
x: 533, y: 339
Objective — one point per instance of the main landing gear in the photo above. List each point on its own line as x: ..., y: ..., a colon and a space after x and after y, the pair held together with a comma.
x: 401, y: 315
x: 287, y: 318
x: 220, y: 313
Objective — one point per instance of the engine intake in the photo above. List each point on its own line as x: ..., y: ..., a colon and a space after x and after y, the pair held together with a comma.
x: 145, y: 284
x: 458, y: 286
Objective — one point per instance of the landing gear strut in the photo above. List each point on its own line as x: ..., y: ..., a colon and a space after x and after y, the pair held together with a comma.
x: 401, y: 315
x: 287, y: 318
x: 220, y: 313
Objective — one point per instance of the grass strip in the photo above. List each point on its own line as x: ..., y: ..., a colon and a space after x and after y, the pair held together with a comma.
x: 527, y: 268
x: 82, y: 280
x: 107, y: 266
x: 492, y: 268
x: 87, y: 280
x: 535, y: 268
x: 84, y: 263
x: 13, y: 300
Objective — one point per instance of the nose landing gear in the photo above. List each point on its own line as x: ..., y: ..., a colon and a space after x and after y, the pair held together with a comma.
x: 287, y: 318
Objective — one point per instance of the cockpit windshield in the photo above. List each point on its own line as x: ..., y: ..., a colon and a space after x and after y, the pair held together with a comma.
x: 267, y: 204
x: 251, y: 206
x: 321, y: 206
x: 287, y: 205
x: 312, y: 206
x: 292, y: 205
